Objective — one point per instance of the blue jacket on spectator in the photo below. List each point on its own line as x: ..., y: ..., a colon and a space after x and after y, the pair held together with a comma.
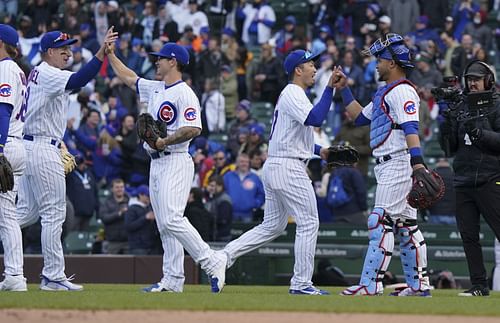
x: 107, y: 166
x: 355, y: 187
x: 141, y: 231
x: 246, y: 194
x: 132, y: 61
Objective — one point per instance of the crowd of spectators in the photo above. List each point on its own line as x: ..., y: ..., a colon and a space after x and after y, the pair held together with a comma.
x: 236, y: 53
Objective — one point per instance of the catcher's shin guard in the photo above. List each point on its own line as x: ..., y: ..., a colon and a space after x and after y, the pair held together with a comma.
x: 413, y: 254
x: 379, y: 253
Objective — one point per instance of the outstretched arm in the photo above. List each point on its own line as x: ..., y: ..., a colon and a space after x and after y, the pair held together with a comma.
x: 352, y: 106
x: 128, y: 76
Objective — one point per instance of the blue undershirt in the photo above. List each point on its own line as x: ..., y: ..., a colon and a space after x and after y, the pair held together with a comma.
x: 319, y: 112
x: 84, y: 75
x: 5, y: 113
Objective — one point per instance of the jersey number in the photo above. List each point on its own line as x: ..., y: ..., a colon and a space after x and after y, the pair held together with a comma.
x: 275, y: 118
x: 24, y: 107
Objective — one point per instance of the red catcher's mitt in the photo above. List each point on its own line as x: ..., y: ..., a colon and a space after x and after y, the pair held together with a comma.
x: 428, y: 188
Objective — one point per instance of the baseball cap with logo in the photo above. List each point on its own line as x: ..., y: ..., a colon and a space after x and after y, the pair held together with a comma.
x: 55, y: 39
x: 9, y: 35
x: 172, y: 50
x: 142, y: 189
x: 298, y: 57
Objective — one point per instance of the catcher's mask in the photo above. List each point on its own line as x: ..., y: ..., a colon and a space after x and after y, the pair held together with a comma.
x: 391, y: 47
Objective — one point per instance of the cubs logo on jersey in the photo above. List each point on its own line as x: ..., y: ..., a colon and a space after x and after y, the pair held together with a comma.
x: 167, y: 112
x: 190, y: 114
x: 5, y: 90
x: 410, y: 107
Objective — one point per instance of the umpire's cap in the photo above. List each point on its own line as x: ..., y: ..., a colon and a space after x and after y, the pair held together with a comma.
x: 55, y: 39
x: 298, y: 57
x: 172, y: 50
x: 9, y: 35
x: 391, y: 47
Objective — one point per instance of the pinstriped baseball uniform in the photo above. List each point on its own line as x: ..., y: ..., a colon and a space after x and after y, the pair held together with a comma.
x: 43, y: 187
x: 394, y: 177
x: 288, y: 189
x: 170, y: 180
x: 13, y: 77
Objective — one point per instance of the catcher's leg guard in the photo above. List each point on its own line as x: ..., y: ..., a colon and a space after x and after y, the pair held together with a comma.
x: 378, y: 255
x: 413, y: 254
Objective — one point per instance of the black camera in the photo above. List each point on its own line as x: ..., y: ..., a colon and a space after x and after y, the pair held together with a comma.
x: 447, y: 94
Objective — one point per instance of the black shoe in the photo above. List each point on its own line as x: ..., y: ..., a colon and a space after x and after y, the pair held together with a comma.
x: 476, y: 290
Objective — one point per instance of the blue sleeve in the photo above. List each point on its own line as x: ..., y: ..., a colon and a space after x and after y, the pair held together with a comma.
x: 5, y: 113
x: 361, y: 120
x: 89, y: 142
x: 84, y: 75
x: 317, y: 150
x: 410, y: 128
x: 319, y: 112
x: 260, y: 194
x: 240, y: 14
x: 268, y: 23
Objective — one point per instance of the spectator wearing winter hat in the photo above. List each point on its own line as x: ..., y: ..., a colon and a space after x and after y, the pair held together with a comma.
x: 140, y: 223
x: 255, y: 141
x: 229, y: 45
x: 371, y: 23
x: 243, y: 120
x: 319, y: 43
x: 283, y: 38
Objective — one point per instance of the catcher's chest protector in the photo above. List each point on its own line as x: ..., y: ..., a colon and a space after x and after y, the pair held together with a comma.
x: 382, y: 123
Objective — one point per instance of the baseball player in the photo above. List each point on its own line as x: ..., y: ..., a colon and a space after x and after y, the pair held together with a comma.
x: 288, y: 188
x: 43, y: 190
x: 174, y: 103
x: 12, y: 109
x: 393, y: 119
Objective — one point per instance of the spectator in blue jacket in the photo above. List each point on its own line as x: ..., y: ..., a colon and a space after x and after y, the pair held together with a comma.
x: 140, y: 224
x: 423, y: 34
x: 245, y: 189
x: 107, y: 158
x: 463, y: 12
x: 86, y: 135
x: 126, y: 55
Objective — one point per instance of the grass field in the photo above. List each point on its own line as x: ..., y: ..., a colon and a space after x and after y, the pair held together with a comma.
x: 248, y: 298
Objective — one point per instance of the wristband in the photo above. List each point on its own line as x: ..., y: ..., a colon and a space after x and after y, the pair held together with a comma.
x: 415, y: 151
x: 347, y: 96
x: 414, y: 160
x: 317, y: 150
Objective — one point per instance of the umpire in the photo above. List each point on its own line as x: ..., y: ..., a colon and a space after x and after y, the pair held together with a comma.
x: 472, y: 135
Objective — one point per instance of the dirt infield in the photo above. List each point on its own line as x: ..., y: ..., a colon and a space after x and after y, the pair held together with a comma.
x: 46, y: 316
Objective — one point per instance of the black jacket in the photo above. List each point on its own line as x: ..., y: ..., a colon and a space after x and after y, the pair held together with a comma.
x: 114, y: 221
x: 477, y: 163
x: 142, y: 233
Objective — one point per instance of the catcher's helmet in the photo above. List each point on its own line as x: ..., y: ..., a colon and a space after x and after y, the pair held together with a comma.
x: 391, y: 47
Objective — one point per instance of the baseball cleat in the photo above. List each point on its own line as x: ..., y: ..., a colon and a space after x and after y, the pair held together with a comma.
x: 359, y: 290
x: 218, y: 277
x: 408, y: 291
x: 476, y: 290
x: 308, y: 291
x: 62, y: 285
x: 158, y: 288
x: 14, y: 283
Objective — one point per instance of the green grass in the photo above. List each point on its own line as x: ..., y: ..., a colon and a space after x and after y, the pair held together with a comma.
x: 248, y: 298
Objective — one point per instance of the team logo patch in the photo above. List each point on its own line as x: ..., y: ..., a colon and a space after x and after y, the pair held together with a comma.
x: 167, y: 112
x: 5, y: 90
x: 248, y: 184
x: 410, y: 107
x: 190, y: 114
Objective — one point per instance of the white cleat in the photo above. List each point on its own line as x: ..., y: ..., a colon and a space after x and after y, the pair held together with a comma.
x: 62, y: 285
x: 14, y: 283
x: 218, y: 277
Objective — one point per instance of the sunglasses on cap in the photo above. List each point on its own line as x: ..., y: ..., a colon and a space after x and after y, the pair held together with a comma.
x: 379, y: 45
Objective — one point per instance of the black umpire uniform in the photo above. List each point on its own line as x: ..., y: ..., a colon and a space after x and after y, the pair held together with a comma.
x: 475, y: 143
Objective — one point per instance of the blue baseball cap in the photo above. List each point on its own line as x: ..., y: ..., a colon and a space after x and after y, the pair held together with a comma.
x: 172, y: 50
x: 55, y: 39
x: 228, y: 31
x: 290, y: 20
x: 9, y: 35
x: 298, y: 57
x: 142, y: 189
x: 257, y: 129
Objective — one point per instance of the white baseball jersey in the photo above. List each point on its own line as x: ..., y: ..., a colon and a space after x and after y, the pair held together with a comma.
x: 170, y: 181
x: 12, y: 91
x: 288, y: 188
x: 403, y: 102
x: 289, y: 137
x: 394, y: 177
x: 176, y: 105
x: 47, y: 101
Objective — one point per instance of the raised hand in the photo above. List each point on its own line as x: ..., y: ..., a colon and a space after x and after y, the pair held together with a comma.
x: 111, y: 37
x: 338, y: 79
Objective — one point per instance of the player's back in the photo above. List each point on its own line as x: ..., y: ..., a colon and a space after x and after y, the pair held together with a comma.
x: 289, y: 136
x: 47, y: 101
x: 12, y: 90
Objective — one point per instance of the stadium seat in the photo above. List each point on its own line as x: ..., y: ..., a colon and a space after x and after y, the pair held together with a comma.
x: 433, y: 149
x: 79, y: 242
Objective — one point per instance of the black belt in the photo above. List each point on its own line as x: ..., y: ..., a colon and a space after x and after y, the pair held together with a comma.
x: 52, y: 141
x: 158, y: 154
x: 385, y: 158
x: 304, y: 160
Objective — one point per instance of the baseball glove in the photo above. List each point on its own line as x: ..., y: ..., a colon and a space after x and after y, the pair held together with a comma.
x: 149, y: 129
x: 341, y: 155
x: 67, y: 160
x: 428, y: 188
x: 6, y: 175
